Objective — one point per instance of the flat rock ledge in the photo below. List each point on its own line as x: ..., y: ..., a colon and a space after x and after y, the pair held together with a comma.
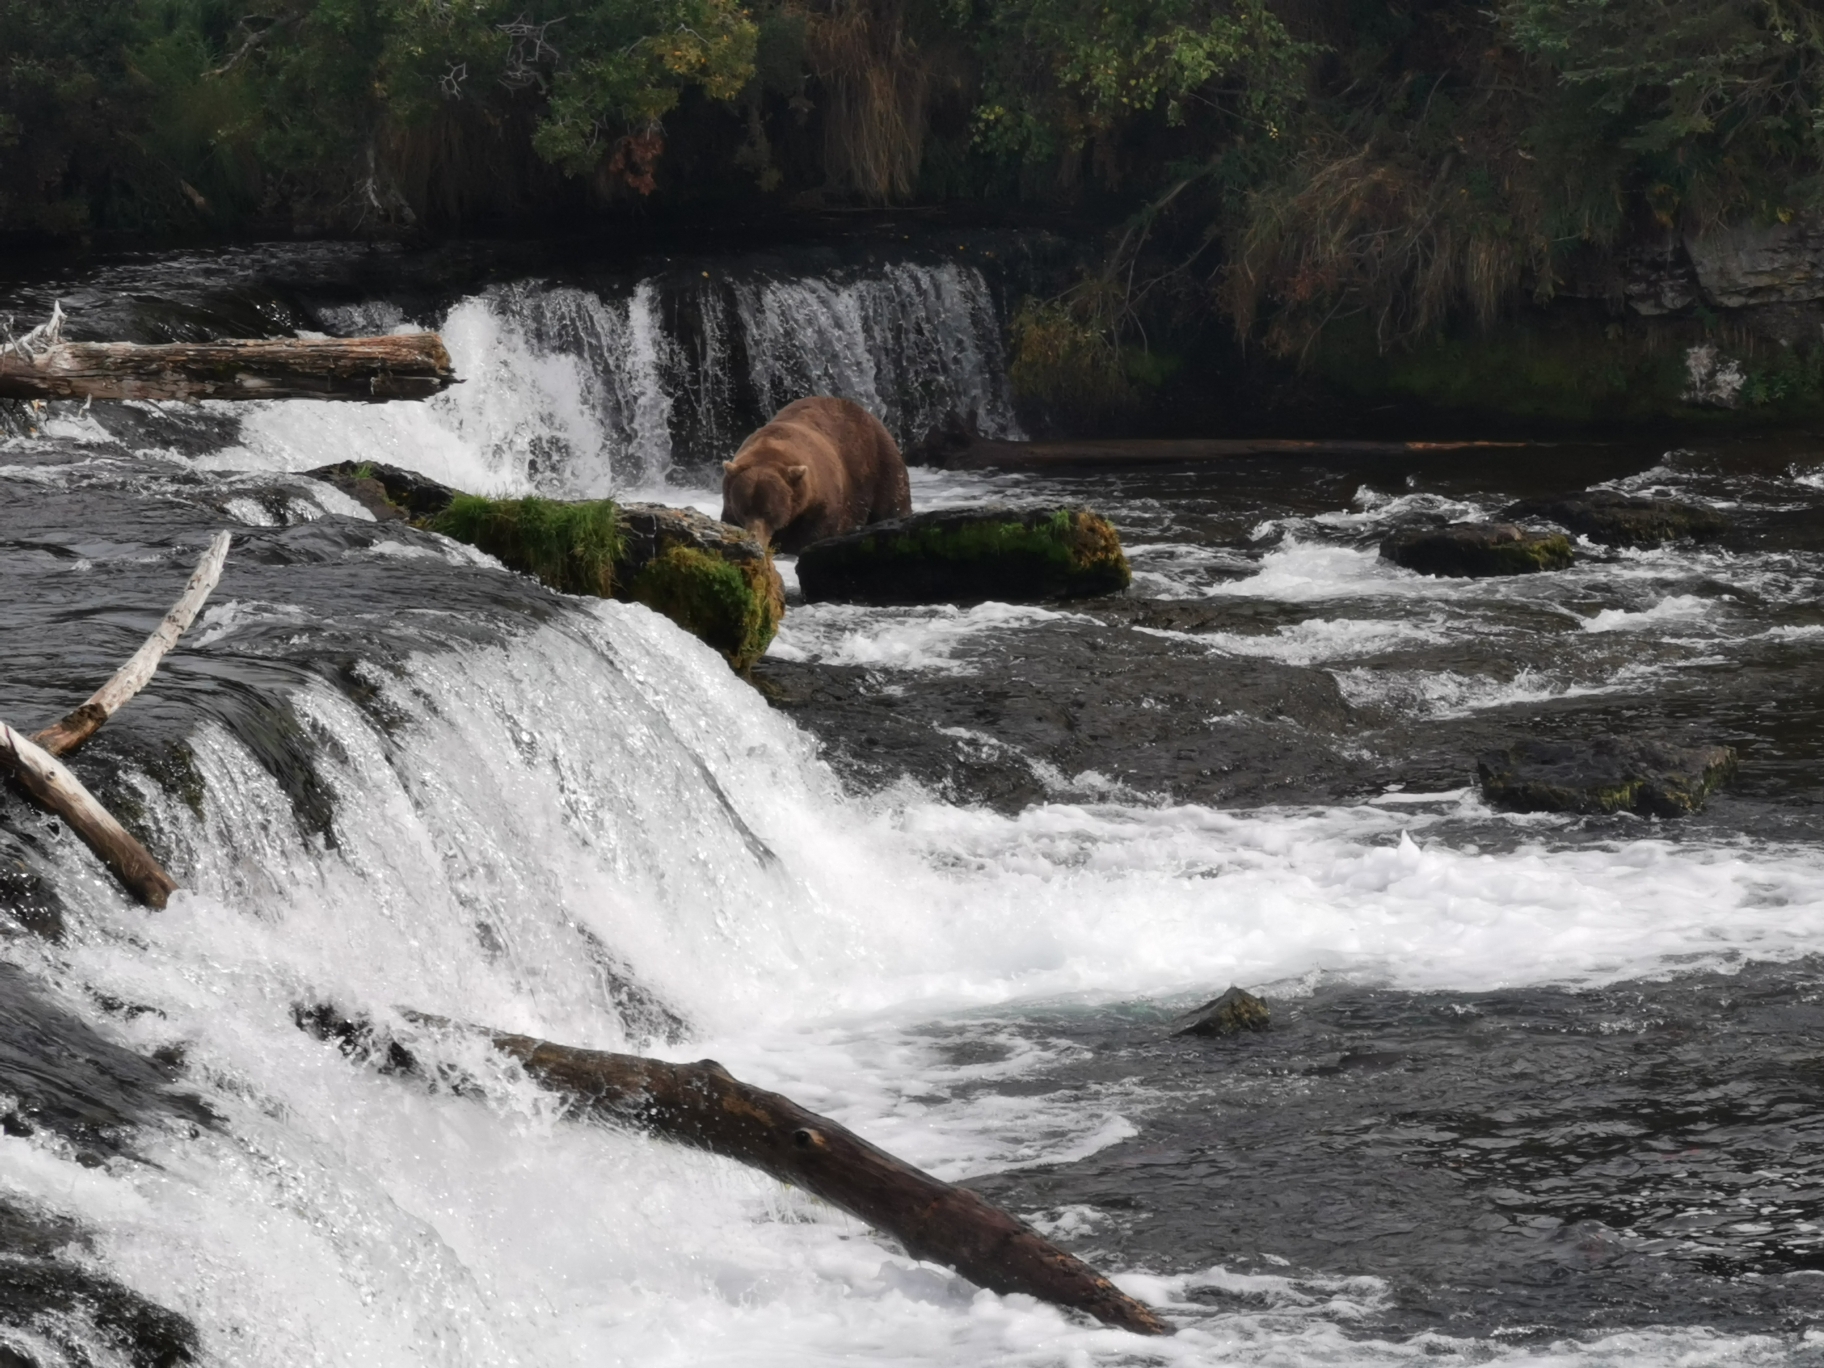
x: 1611, y: 518
x: 1609, y: 774
x: 1475, y: 550
x: 969, y: 555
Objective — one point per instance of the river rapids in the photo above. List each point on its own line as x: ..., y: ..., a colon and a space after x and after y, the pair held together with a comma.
x: 1540, y: 1089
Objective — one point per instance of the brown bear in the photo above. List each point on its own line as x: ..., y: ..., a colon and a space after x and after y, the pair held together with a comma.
x: 822, y: 467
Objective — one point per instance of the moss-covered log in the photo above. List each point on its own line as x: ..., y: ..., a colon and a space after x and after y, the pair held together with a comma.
x: 969, y: 556
x: 367, y: 369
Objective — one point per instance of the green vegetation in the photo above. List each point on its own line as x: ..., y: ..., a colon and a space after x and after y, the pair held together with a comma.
x: 570, y: 547
x: 712, y: 599
x: 1399, y: 174
x: 965, y: 556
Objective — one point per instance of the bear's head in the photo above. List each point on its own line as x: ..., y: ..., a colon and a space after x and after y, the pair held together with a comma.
x: 762, y: 496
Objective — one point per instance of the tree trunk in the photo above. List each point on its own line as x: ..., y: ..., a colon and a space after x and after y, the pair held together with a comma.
x: 60, y: 793
x: 703, y: 1106
x: 409, y: 366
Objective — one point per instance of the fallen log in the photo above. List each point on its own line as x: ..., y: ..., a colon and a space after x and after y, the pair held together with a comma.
x: 61, y: 794
x: 62, y: 737
x: 370, y: 369
x: 702, y: 1105
x: 33, y: 763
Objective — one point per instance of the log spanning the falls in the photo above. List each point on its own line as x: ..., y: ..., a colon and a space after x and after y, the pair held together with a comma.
x: 368, y: 369
x: 34, y: 765
x: 702, y: 1105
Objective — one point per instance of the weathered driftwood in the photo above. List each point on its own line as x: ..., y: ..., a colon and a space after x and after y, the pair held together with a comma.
x: 33, y: 763
x: 60, y: 738
x: 407, y: 366
x: 60, y: 793
x: 703, y: 1106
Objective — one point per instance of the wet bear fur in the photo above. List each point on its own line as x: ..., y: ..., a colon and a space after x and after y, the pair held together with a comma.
x: 822, y: 467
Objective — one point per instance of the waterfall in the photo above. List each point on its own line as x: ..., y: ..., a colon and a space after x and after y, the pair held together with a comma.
x: 582, y: 392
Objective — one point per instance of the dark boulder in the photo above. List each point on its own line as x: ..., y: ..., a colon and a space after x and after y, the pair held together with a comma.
x: 1235, y: 1011
x: 1616, y: 519
x: 1609, y: 774
x: 969, y: 555
x: 1474, y: 550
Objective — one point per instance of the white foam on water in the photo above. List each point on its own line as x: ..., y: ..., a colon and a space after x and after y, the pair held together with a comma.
x: 605, y: 788
x: 935, y: 639
x: 1673, y: 609
x: 1317, y: 639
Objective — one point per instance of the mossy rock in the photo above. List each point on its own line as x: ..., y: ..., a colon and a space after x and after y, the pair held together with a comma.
x: 1611, y: 518
x: 1609, y: 774
x: 969, y: 556
x: 569, y: 547
x: 709, y: 598
x: 1477, y: 550
x: 711, y: 578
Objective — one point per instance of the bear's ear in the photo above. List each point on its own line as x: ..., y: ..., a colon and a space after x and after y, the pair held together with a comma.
x: 795, y: 474
x: 729, y: 466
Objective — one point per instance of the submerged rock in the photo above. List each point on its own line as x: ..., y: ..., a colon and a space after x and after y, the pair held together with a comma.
x: 1475, y: 550
x: 389, y: 493
x: 1616, y: 519
x: 969, y: 555
x: 1235, y: 1011
x: 1609, y: 774
x: 709, y: 577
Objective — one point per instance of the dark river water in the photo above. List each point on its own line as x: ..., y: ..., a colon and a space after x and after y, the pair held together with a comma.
x: 1538, y: 1087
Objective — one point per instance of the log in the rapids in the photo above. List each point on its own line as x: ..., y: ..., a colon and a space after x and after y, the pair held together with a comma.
x: 406, y: 366
x: 34, y: 764
x: 60, y: 793
x: 703, y: 1106
x: 62, y: 737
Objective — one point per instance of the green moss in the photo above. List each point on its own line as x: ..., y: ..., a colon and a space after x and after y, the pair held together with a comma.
x: 712, y: 599
x: 570, y: 547
x: 961, y: 557
x: 1065, y: 540
x: 1533, y: 554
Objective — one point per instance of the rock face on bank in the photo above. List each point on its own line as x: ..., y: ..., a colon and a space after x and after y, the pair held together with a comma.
x: 967, y: 556
x: 1609, y: 774
x: 1615, y: 519
x: 1476, y: 550
x: 711, y: 579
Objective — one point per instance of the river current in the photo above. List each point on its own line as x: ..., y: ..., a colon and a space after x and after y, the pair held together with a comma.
x: 1538, y: 1088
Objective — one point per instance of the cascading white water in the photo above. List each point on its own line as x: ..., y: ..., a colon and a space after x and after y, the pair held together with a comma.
x: 602, y: 801
x: 917, y: 346
x: 581, y: 393
x: 521, y: 831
